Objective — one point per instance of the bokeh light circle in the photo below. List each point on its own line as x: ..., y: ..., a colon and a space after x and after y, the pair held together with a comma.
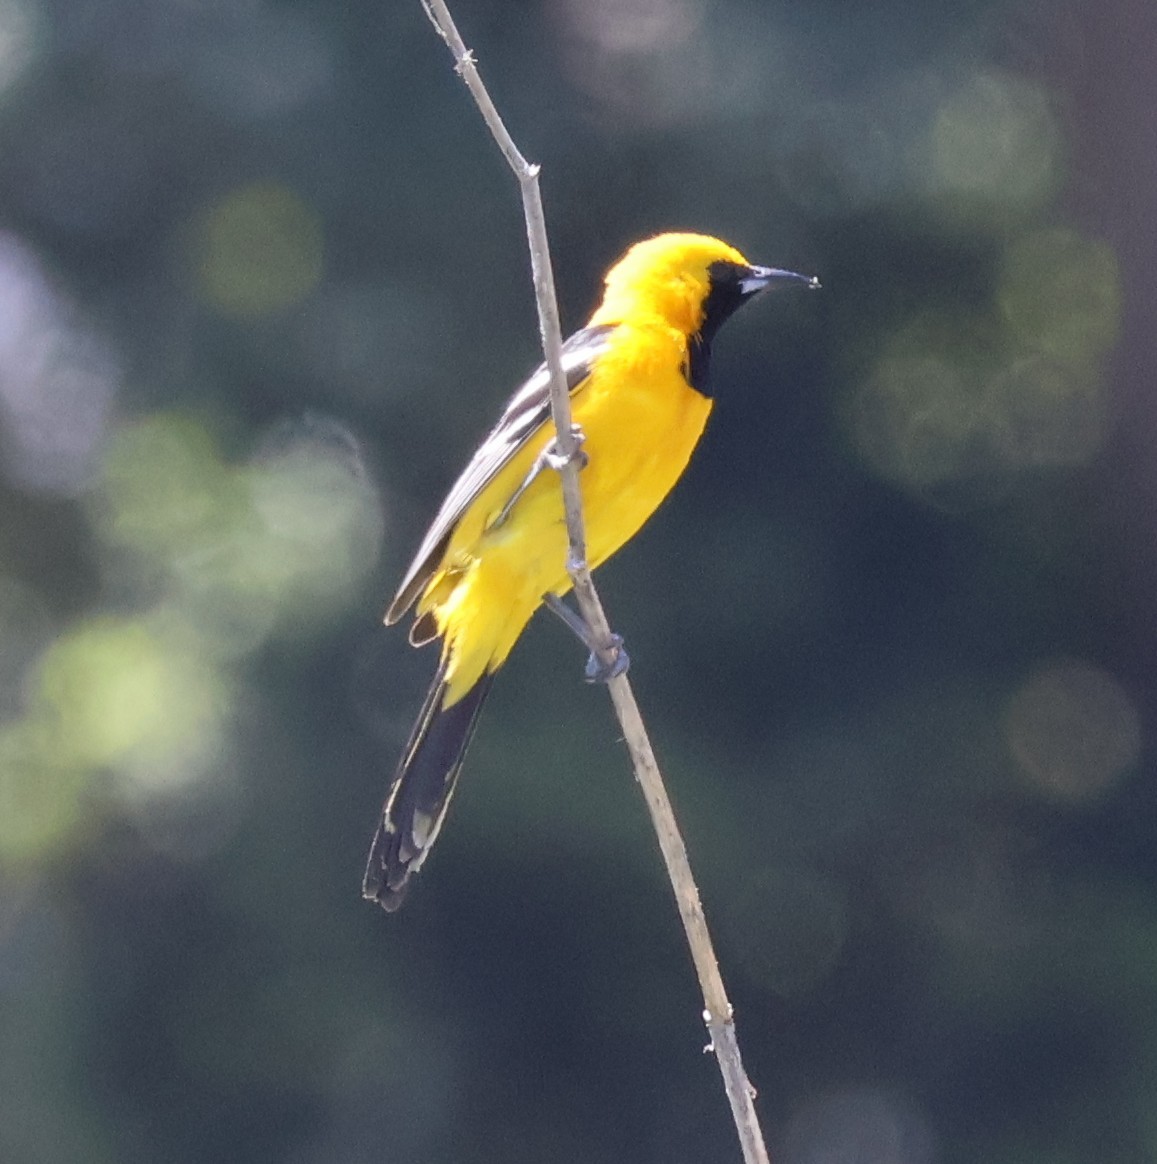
x: 1060, y: 294
x: 259, y: 250
x: 994, y: 146
x: 1073, y: 730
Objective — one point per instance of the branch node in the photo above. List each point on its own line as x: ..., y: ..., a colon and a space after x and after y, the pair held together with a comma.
x: 556, y: 458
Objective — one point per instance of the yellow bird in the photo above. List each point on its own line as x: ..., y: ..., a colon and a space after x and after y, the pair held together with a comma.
x: 638, y: 375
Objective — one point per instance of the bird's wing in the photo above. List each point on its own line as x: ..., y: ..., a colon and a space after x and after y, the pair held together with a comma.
x: 525, y: 414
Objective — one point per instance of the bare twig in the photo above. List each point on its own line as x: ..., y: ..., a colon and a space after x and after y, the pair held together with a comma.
x: 717, y: 1012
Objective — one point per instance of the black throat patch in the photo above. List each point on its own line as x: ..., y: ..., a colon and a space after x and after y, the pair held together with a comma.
x: 724, y: 297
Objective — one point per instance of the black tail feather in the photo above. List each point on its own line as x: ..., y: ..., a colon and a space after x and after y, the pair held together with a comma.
x: 421, y: 789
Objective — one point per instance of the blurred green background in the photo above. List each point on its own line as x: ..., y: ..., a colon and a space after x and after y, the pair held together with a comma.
x: 263, y: 286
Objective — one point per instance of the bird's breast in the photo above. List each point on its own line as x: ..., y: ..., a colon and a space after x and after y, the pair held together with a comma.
x: 642, y: 421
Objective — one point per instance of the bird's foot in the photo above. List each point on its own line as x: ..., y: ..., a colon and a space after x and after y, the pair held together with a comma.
x: 597, y: 671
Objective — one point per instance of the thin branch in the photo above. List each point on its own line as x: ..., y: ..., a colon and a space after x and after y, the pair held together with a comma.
x: 550, y: 332
x: 717, y: 1012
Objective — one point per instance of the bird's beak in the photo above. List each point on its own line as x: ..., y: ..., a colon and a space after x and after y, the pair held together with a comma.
x: 760, y: 277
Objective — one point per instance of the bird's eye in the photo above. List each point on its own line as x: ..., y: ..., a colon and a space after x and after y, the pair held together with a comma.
x: 721, y: 273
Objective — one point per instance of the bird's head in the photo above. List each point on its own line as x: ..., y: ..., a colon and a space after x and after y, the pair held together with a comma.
x: 692, y: 282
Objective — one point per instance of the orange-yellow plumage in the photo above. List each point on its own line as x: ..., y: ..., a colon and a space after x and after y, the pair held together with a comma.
x: 499, y: 544
x: 495, y: 578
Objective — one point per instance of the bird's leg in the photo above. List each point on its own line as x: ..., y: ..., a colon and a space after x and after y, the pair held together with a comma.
x: 549, y: 458
x: 595, y: 671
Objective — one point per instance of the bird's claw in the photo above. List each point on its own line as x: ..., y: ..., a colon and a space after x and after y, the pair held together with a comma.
x: 596, y: 671
x: 549, y: 458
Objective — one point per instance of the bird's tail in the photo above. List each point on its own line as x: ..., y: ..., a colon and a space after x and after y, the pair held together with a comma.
x: 421, y: 789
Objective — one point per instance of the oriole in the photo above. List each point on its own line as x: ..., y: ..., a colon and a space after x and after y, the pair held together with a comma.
x: 638, y: 375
